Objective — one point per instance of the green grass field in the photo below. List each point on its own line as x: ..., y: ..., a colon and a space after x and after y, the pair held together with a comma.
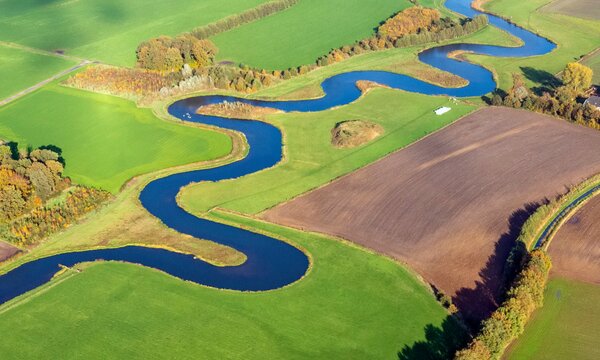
x: 304, y: 32
x: 594, y: 63
x: 576, y: 37
x: 351, y: 305
x: 567, y: 327
x: 20, y: 69
x: 105, y: 140
x: 107, y: 30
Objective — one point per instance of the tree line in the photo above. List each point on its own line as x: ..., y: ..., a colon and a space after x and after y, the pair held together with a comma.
x: 509, y: 320
x: 245, y: 17
x: 563, y: 100
x: 436, y: 31
x: 28, y: 180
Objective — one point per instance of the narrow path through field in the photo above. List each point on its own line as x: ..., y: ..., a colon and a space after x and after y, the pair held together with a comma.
x: 42, y: 83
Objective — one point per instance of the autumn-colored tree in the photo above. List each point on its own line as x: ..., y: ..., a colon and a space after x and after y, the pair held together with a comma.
x: 409, y: 21
x: 577, y: 78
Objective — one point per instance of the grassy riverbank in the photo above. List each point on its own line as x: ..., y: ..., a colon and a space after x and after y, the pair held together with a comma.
x: 135, y: 312
x: 312, y: 161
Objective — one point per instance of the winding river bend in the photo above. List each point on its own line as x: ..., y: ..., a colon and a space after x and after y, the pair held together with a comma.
x: 271, y: 263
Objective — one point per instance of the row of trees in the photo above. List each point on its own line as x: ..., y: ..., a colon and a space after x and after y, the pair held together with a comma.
x: 131, y: 83
x: 445, y: 29
x: 167, y: 54
x: 26, y: 181
x: 563, y: 101
x: 251, y: 15
x: 45, y: 220
x: 183, y: 64
x: 508, y: 321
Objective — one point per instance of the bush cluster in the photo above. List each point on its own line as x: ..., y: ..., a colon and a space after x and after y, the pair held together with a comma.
x: 168, y: 54
x: 27, y: 180
x: 121, y: 81
x: 45, y: 220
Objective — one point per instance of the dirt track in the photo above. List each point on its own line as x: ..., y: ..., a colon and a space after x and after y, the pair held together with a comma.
x: 7, y: 251
x: 575, y: 250
x: 452, y: 204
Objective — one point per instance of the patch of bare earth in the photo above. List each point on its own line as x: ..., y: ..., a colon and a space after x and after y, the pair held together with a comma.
x: 7, y: 251
x: 452, y: 204
x: 236, y: 110
x: 575, y: 249
x: 354, y: 133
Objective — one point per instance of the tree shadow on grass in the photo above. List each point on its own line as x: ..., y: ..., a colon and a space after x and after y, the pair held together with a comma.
x: 440, y: 342
x: 547, y: 81
x: 476, y: 304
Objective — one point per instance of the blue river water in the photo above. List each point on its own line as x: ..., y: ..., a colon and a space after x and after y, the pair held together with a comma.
x: 271, y: 263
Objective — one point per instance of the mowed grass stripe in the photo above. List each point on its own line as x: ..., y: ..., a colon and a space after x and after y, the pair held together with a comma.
x: 105, y: 140
x: 107, y: 30
x: 304, y: 32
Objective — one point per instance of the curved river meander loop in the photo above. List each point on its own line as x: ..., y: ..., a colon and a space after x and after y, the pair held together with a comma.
x: 271, y: 263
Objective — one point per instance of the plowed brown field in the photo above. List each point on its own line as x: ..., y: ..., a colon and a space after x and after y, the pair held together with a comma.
x: 575, y: 249
x: 452, y: 204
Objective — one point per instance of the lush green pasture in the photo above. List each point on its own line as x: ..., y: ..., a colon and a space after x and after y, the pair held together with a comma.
x: 107, y: 30
x: 567, y: 327
x: 352, y: 304
x: 575, y: 37
x: 105, y: 140
x: 20, y: 69
x: 304, y: 32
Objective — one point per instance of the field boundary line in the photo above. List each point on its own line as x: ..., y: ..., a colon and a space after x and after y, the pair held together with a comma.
x: 43, y: 82
x: 32, y: 50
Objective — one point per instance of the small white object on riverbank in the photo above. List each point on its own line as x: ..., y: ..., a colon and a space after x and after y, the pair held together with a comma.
x: 442, y: 110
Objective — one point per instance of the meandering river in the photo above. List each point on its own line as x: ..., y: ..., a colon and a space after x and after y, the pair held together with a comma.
x: 271, y: 263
